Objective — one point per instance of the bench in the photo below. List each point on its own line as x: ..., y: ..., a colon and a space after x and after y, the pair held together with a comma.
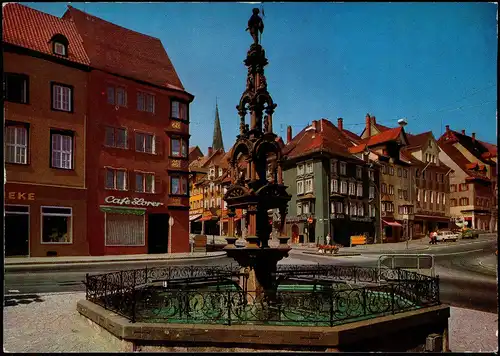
x: 358, y: 240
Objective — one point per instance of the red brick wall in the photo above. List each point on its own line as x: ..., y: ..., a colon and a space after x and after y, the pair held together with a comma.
x: 102, y: 114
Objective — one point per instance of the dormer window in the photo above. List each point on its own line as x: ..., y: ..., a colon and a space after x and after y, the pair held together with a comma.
x: 60, y: 45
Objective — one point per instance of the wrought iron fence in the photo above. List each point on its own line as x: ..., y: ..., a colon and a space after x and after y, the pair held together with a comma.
x: 143, y: 295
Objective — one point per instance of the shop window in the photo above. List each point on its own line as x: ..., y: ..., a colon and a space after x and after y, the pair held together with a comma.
x: 179, y: 110
x: 179, y: 148
x: 145, y: 102
x: 116, y: 179
x: 178, y: 185
x: 144, y: 182
x: 57, y: 225
x: 16, y: 144
x: 144, y: 143
x: 124, y: 229
x: 62, y: 97
x: 61, y: 149
x: 116, y: 137
x: 117, y: 96
x: 16, y: 88
x: 309, y: 185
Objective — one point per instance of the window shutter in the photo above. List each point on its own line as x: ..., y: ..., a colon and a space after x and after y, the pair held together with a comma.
x: 159, y: 145
x: 158, y: 184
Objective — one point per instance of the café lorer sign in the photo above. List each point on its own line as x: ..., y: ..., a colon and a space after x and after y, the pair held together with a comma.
x: 133, y: 201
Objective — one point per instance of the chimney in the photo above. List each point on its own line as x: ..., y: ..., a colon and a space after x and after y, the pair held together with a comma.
x: 288, y: 134
x: 374, y: 120
x: 210, y: 151
x: 473, y: 137
x: 368, y: 126
x: 314, y: 124
x: 463, y: 132
x: 340, y: 124
x: 447, y: 128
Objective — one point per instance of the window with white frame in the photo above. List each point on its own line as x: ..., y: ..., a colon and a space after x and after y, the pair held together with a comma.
x: 211, y: 173
x: 309, y: 185
x: 332, y: 207
x: 205, y: 204
x: 359, y: 190
x: 443, y: 198
x: 179, y: 185
x: 62, y: 97
x: 432, y: 196
x: 16, y: 144
x: 343, y: 187
x: 212, y: 203
x: 371, y: 192
x: 425, y: 196
x: 352, y: 189
x: 418, y: 194
x: 179, y: 147
x: 353, y: 210
x: 382, y: 206
x: 333, y: 164
x: 309, y: 167
x: 145, y: 102
x: 305, y: 208
x: 61, y: 150
x: 116, y: 137
x: 334, y: 186
x: 218, y: 202
x: 346, y: 209
x: 300, y: 187
x: 224, y: 204
x: 116, y: 179
x: 359, y: 172
x: 144, y: 182
x: 300, y: 169
x: 343, y: 168
x: 361, y: 210
x: 144, y: 143
x: 437, y: 198
x: 57, y: 225
x: 373, y: 211
x: 339, y: 209
x: 125, y: 229
x: 59, y: 48
x: 299, y: 208
x: 220, y: 172
x: 179, y: 110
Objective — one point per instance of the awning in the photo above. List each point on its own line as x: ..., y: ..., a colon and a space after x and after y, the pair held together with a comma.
x: 124, y: 211
x: 432, y: 217
x: 207, y: 218
x: 194, y: 217
x: 236, y: 218
x: 392, y: 223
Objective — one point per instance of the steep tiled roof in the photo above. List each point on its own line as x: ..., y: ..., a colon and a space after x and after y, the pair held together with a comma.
x: 417, y: 141
x: 351, y: 135
x: 33, y: 29
x: 457, y: 157
x: 122, y: 51
x: 327, y: 137
x: 383, y: 137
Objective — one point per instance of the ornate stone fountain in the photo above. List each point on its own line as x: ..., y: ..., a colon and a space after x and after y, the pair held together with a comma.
x: 257, y: 151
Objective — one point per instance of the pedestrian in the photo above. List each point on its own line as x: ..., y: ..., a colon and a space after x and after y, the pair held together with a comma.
x: 328, y: 238
x: 434, y: 237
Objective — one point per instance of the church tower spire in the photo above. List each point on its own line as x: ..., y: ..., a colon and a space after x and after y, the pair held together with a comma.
x: 217, y: 143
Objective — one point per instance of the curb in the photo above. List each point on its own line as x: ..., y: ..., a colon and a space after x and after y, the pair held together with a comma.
x: 77, y: 265
x: 332, y: 254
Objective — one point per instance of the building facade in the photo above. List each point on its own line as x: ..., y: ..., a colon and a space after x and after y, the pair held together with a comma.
x: 333, y: 191
x: 45, y: 112
x: 138, y: 138
x: 473, y: 182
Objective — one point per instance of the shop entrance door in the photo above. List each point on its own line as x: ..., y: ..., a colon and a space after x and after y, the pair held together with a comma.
x: 158, y: 233
x: 17, y: 235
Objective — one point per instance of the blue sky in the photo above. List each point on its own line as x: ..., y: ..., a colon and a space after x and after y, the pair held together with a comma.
x: 433, y: 63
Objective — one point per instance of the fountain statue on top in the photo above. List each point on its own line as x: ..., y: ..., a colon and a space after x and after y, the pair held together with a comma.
x: 256, y: 175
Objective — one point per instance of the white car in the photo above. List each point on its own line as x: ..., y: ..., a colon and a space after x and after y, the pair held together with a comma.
x: 446, y: 236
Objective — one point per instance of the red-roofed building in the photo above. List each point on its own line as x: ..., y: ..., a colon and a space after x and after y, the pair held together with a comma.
x: 45, y: 111
x: 473, y: 183
x: 333, y: 191
x: 194, y: 153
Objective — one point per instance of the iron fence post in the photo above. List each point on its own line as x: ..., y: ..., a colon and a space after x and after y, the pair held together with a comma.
x: 364, y: 301
x: 229, y: 307
x: 392, y: 297
x: 331, y: 309
x: 105, y: 291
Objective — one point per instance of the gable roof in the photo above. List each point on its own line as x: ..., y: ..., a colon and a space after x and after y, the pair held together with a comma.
x: 351, y: 135
x: 32, y: 29
x: 378, y: 139
x: 327, y: 137
x: 418, y: 141
x: 118, y: 50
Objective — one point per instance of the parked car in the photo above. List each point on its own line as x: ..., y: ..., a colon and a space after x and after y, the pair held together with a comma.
x: 446, y: 236
x: 470, y: 234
